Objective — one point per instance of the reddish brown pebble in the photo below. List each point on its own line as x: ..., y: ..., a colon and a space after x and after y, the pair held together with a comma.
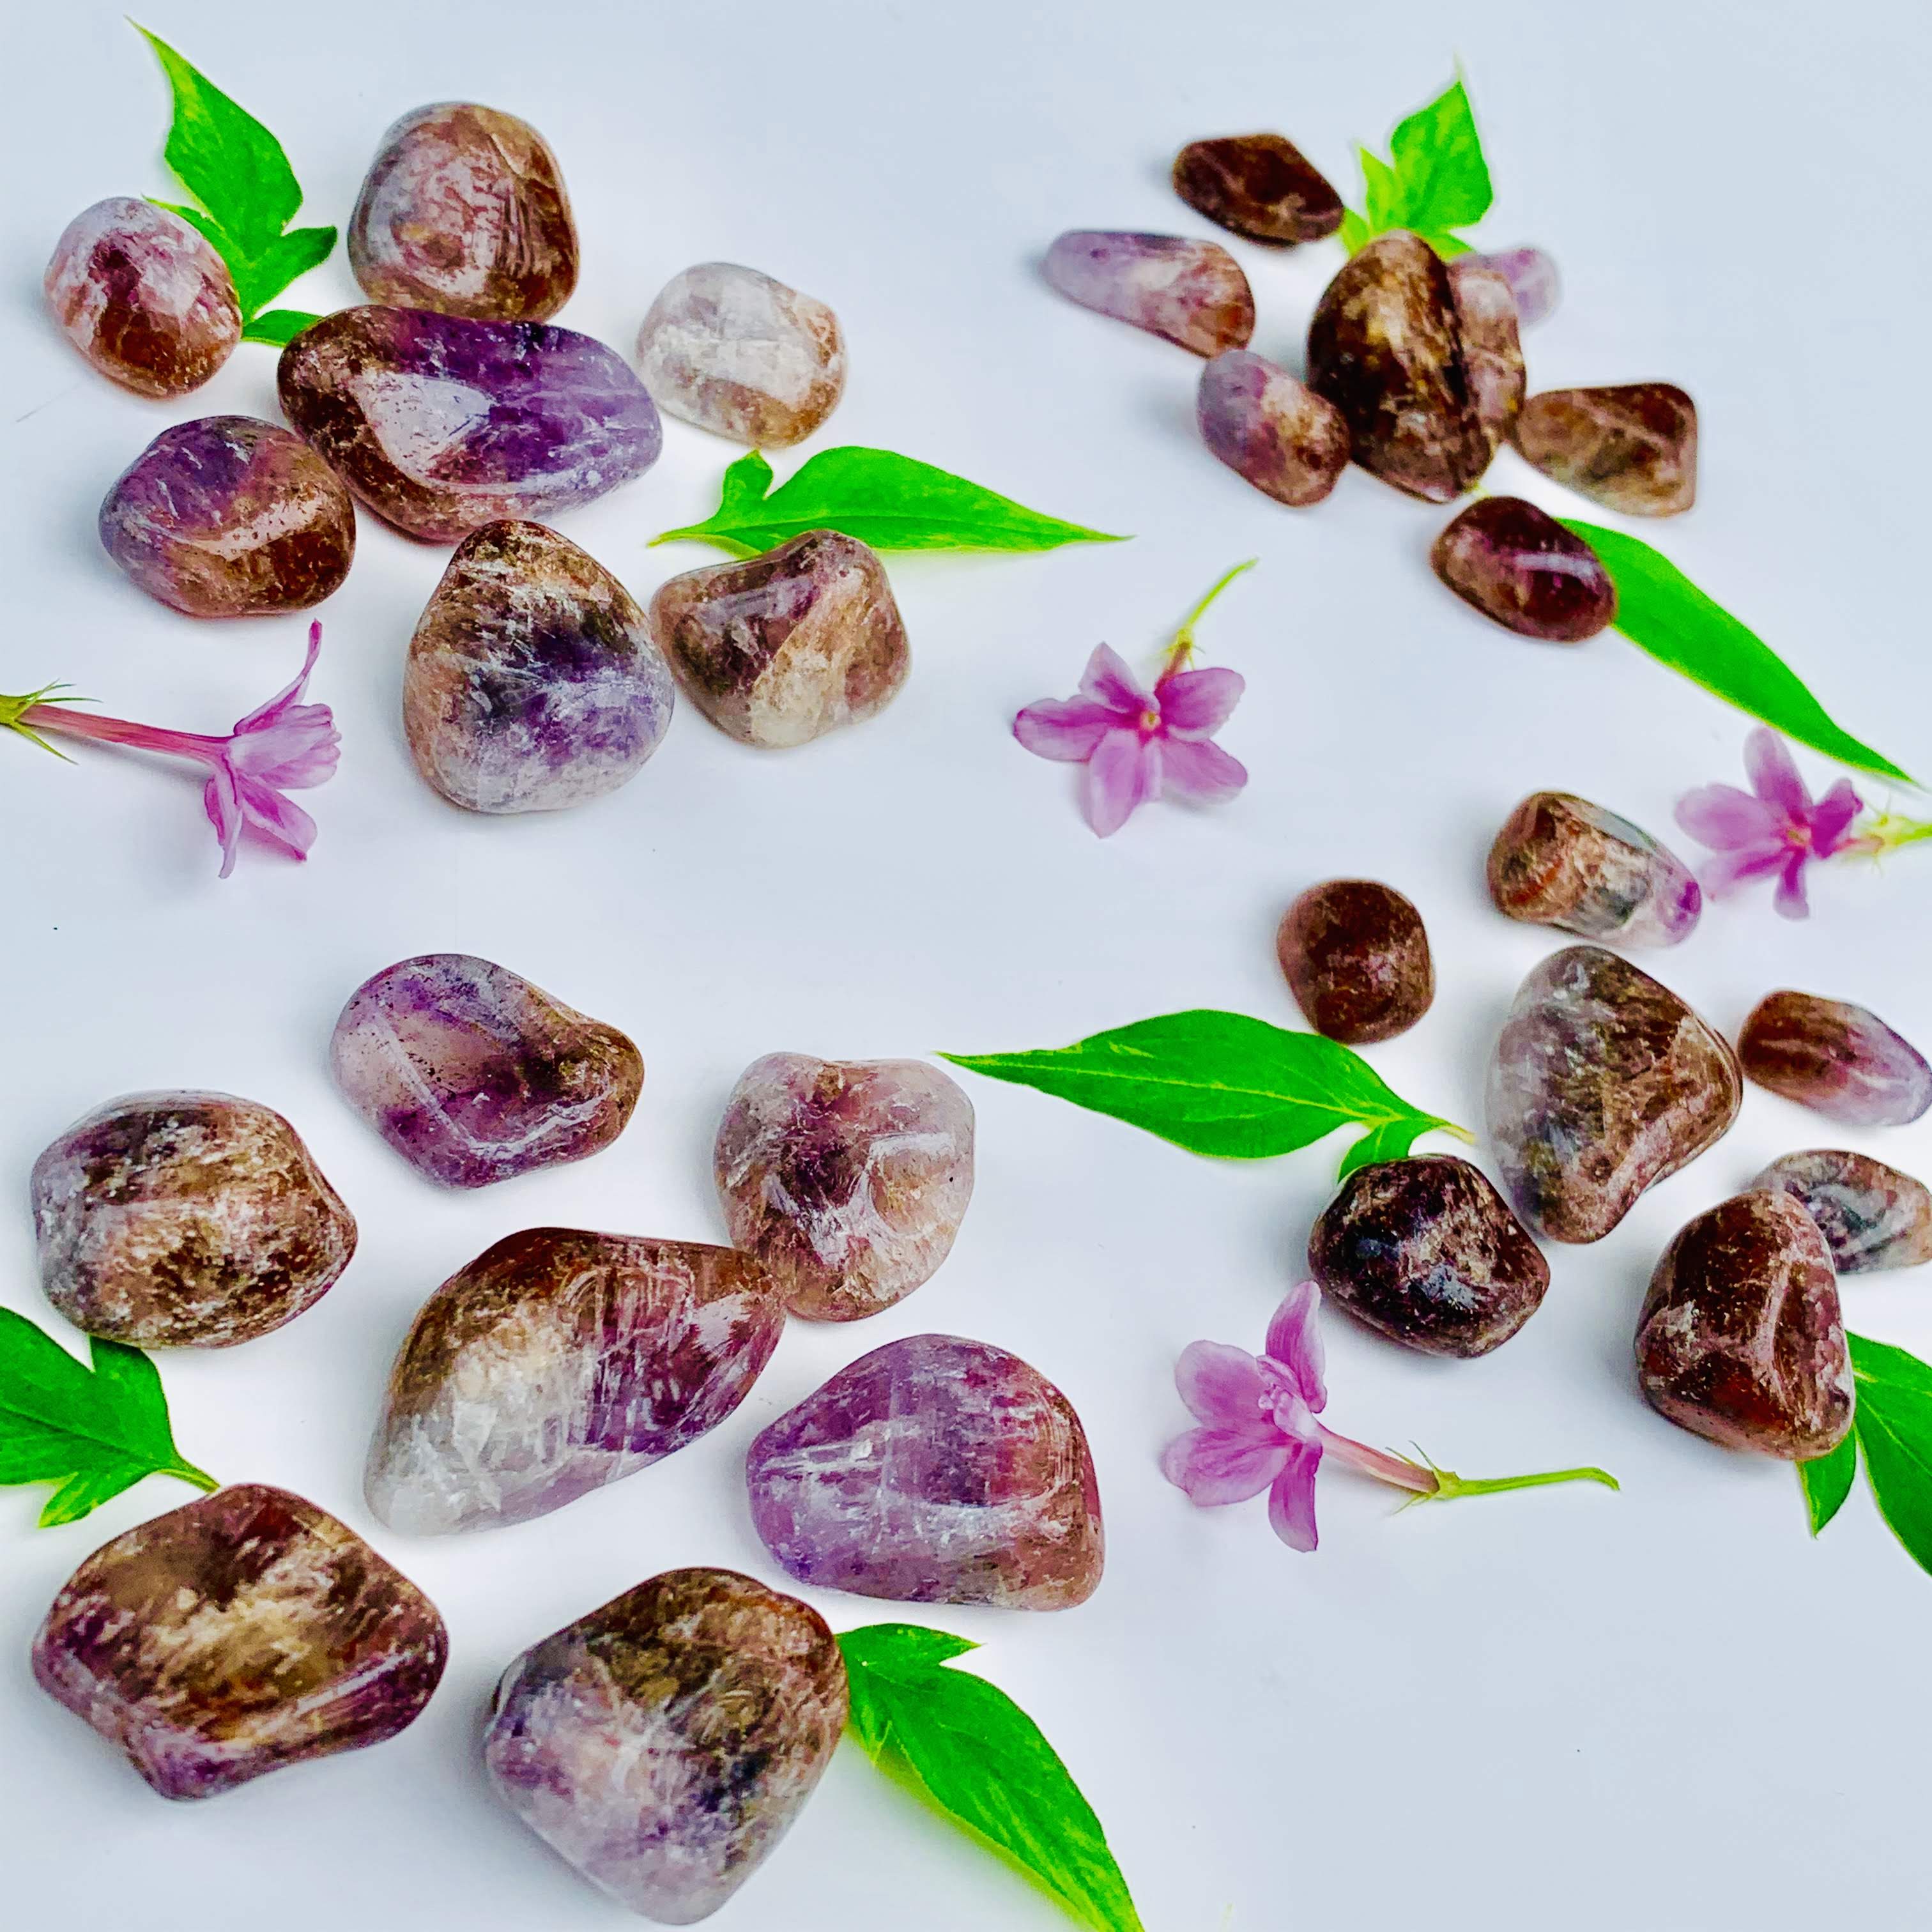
x: 1356, y: 959
x: 1561, y: 861
x: 1871, y: 1216
x: 1259, y: 185
x: 1523, y: 568
x: 1492, y: 345
x: 1386, y: 348
x: 1837, y: 1058
x: 1281, y: 436
x: 1740, y: 1339
x: 1427, y: 1252
x: 143, y: 297
x: 1632, y: 447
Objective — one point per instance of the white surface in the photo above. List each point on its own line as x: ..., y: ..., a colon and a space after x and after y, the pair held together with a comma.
x: 1666, y: 1708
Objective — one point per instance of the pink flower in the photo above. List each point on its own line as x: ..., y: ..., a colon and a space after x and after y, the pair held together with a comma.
x: 1773, y: 828
x: 1259, y: 1430
x: 286, y: 746
x: 1138, y: 745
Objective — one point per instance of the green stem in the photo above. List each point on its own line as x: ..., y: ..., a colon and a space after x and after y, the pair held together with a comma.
x: 188, y: 1473
x: 1182, y: 646
x: 1449, y: 1486
x: 1455, y: 1133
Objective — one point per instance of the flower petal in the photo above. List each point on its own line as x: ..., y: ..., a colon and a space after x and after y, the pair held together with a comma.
x: 1222, y: 1385
x: 1725, y: 818
x: 1773, y: 774
x: 1217, y: 1466
x: 298, y: 749
x: 1123, y: 772
x: 1789, y: 900
x: 1066, y: 729
x: 1107, y: 680
x: 1193, y: 704
x: 265, y: 715
x: 219, y: 800
x: 1201, y: 773
x: 1292, y: 1497
x: 1723, y: 875
x: 279, y: 820
x: 1294, y: 1341
x: 1831, y: 819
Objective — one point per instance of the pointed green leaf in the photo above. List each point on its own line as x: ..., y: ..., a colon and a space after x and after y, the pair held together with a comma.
x: 1661, y: 611
x: 1391, y: 1142
x: 1827, y: 1481
x: 279, y: 326
x: 1438, y: 160
x: 1216, y: 1083
x: 971, y: 1752
x: 890, y: 501
x: 1356, y: 234
x: 1382, y: 196
x: 1893, y: 1419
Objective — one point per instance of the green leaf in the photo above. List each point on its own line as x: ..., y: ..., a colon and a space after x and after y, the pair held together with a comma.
x: 888, y: 501
x: 279, y: 326
x: 248, y: 194
x: 1221, y: 1084
x: 1893, y: 1423
x: 1827, y: 1481
x: 1661, y: 611
x: 1382, y: 196
x: 965, y: 1746
x: 1438, y: 160
x: 95, y: 1435
x: 1355, y: 232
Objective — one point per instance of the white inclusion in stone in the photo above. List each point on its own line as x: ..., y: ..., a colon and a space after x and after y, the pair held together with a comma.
x: 419, y: 420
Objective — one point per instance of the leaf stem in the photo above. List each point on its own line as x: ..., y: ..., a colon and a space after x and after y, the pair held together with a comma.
x: 1182, y: 648
x: 1449, y: 1486
x: 188, y: 1473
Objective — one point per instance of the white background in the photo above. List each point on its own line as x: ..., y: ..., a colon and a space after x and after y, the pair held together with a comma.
x: 1666, y: 1708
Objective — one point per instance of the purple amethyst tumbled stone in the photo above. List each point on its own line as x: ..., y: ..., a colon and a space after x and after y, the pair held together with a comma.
x: 473, y: 1074
x: 441, y: 424
x: 1841, y: 1059
x: 1290, y: 443
x: 1192, y: 292
x: 934, y: 1470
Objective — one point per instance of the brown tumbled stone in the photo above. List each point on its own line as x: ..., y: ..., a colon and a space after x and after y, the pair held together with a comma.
x: 1268, y: 428
x: 1521, y: 567
x: 1836, y: 1058
x: 1492, y: 343
x: 1427, y: 1252
x: 1561, y: 861
x: 1356, y: 958
x: 1603, y: 1083
x: 1740, y: 1339
x: 1259, y: 185
x: 781, y: 648
x: 1871, y: 1216
x: 1632, y: 447
x: 1386, y: 348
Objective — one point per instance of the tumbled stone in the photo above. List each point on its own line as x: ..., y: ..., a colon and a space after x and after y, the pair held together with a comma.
x: 1190, y: 292
x: 1426, y: 1251
x: 143, y: 297
x: 172, y: 1220
x: 742, y: 356
x: 559, y: 1361
x: 1385, y: 347
x: 1561, y: 861
x: 1356, y: 958
x: 532, y: 682
x: 463, y: 210
x: 1740, y: 1339
x: 1523, y: 568
x: 1837, y: 1058
x: 245, y: 1632
x: 1287, y: 441
x: 782, y: 649
x: 1603, y: 1083
x: 1259, y: 185
x: 473, y: 1074
x: 441, y: 424
x: 1532, y: 278
x: 230, y: 517
x: 1492, y: 347
x: 664, y: 1744
x: 848, y: 1179
x: 1632, y: 447
x: 933, y: 1471
x: 1871, y: 1216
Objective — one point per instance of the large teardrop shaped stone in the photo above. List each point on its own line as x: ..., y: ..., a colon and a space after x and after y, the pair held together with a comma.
x: 1385, y: 347
x: 473, y: 1074
x: 934, y: 1470
x: 848, y: 1178
x: 557, y: 1362
x: 246, y: 1632
x: 441, y: 424
x: 185, y: 1220
x: 1604, y: 1082
x: 664, y: 1744
x: 463, y: 210
x: 1740, y: 1339
x: 532, y: 682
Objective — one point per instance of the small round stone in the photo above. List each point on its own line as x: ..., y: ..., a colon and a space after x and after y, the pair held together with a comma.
x: 1523, y: 568
x: 1836, y: 1058
x: 1356, y: 960
x: 463, y: 210
x: 1427, y: 1252
x: 185, y: 1220
x: 1290, y: 443
x: 227, y: 517
x: 143, y: 297
x: 1871, y: 1216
